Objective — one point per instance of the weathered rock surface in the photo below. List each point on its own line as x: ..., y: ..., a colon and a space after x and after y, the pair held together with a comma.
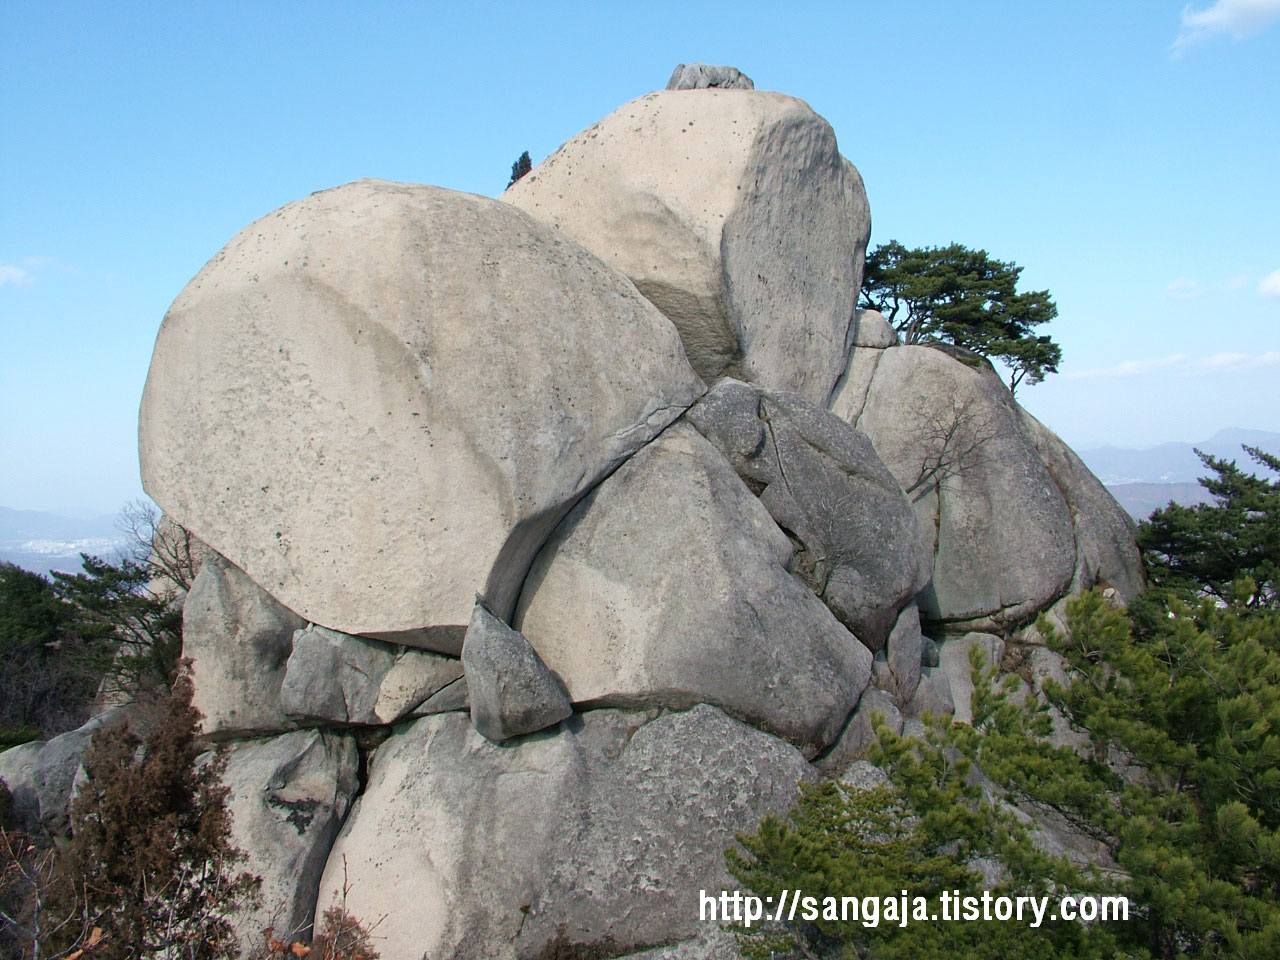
x: 954, y: 655
x: 600, y: 834
x: 1106, y: 549
x: 871, y: 329
x: 42, y: 775
x: 17, y: 773
x: 905, y: 655
x: 510, y: 689
x: 415, y: 678
x: 288, y: 796
x: 453, y: 697
x: 933, y: 695
x: 700, y: 76
x: 860, y: 733
x: 862, y: 549
x: 734, y: 213
x: 951, y: 434
x: 334, y: 678
x: 377, y: 401
x: 238, y: 638
x: 669, y: 586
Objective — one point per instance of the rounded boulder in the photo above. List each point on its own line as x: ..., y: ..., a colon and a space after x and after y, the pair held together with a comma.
x: 378, y: 401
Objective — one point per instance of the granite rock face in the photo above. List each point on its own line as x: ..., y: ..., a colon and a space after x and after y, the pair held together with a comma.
x: 1003, y: 540
x: 862, y: 550
x: 1106, y: 551
x: 377, y: 401
x: 288, y: 797
x: 728, y: 209
x: 238, y: 638
x: 553, y: 540
x: 601, y: 833
x: 860, y: 733
x: 669, y: 586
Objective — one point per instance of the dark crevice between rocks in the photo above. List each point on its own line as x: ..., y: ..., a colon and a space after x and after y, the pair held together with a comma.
x: 844, y: 727
x: 871, y: 380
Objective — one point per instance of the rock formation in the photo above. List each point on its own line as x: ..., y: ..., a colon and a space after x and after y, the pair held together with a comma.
x: 556, y: 538
x: 378, y: 401
x: 734, y: 213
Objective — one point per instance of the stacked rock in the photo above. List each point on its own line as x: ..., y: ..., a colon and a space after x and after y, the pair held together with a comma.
x: 556, y: 538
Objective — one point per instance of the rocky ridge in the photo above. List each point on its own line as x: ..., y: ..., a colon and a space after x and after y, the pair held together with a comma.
x: 557, y: 538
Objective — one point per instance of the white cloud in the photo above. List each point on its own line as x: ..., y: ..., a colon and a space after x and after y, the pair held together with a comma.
x: 1239, y: 18
x: 1184, y: 289
x: 1128, y: 368
x: 14, y: 275
x: 1180, y: 364
x: 22, y: 274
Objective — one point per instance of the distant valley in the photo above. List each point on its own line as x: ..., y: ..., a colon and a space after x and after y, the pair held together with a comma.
x: 1146, y: 479
x: 44, y: 542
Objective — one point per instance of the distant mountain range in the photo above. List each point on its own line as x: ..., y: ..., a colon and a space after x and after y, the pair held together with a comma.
x: 1175, y: 462
x: 44, y: 542
x: 1146, y: 479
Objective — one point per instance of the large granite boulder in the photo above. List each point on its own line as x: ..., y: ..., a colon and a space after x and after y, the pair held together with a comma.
x: 377, y: 401
x: 599, y: 835
x: 238, y: 639
x: 669, y: 586
x: 17, y: 773
x: 1106, y: 549
x: 288, y: 797
x: 1003, y: 538
x: 861, y: 547
x: 731, y: 210
x: 43, y: 776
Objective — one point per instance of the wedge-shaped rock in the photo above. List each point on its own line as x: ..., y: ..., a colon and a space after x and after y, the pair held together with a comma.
x: 862, y: 549
x: 669, y: 586
x: 600, y: 834
x: 288, y: 796
x: 1004, y: 545
x: 510, y: 689
x: 377, y: 402
x: 238, y: 639
x: 733, y: 211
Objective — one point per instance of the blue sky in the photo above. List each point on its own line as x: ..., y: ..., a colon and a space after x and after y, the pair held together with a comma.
x: 1125, y: 153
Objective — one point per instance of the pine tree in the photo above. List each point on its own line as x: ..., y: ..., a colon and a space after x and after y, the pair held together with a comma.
x: 964, y: 297
x: 1210, y: 547
x: 520, y: 168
